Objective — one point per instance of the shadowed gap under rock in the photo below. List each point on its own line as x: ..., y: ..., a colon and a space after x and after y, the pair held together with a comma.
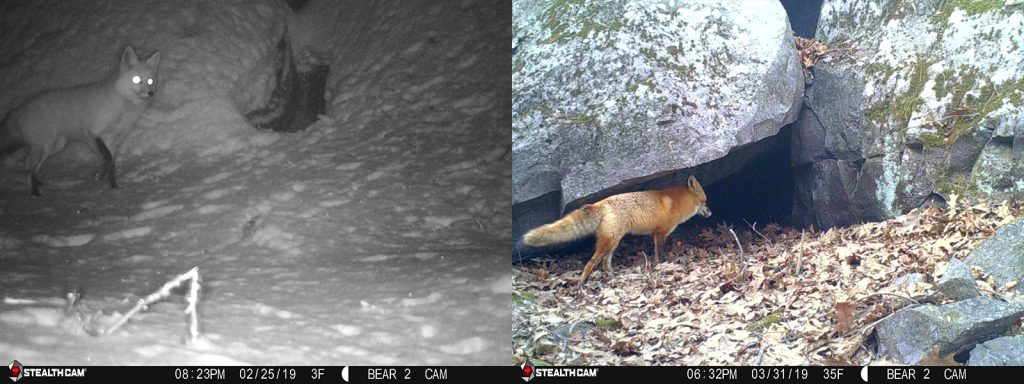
x: 752, y: 184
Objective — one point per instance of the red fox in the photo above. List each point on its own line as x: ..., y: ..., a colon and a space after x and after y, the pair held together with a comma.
x: 98, y: 114
x: 654, y: 213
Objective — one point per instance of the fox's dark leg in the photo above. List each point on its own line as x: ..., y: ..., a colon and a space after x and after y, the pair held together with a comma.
x: 661, y: 244
x: 34, y: 184
x: 657, y: 239
x: 101, y: 169
x: 34, y: 161
x: 606, y: 243
x: 107, y: 166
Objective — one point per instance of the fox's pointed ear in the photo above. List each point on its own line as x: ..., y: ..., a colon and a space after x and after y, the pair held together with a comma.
x: 128, y: 58
x: 153, y: 60
x: 693, y: 184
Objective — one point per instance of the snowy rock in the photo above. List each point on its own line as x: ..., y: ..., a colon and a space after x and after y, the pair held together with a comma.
x: 1002, y: 256
x: 1004, y: 351
x: 920, y: 99
x: 618, y: 93
x: 908, y: 335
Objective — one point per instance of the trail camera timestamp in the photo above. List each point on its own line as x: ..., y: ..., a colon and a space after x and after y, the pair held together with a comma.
x: 199, y: 374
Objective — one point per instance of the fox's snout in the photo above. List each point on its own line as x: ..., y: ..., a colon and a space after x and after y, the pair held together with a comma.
x: 143, y: 85
x: 144, y: 92
x: 704, y: 211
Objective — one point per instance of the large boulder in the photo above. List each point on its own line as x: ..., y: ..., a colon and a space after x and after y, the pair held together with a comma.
x: 909, y: 335
x: 1004, y: 351
x: 612, y: 93
x: 1002, y: 256
x: 918, y: 100
x: 958, y: 281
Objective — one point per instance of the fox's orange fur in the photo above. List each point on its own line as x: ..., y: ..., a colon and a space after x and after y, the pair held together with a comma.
x: 654, y: 213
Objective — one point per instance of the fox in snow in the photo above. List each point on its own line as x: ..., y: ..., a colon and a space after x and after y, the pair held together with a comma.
x: 98, y: 114
x: 654, y: 213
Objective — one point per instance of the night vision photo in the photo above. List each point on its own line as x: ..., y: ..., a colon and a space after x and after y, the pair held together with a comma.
x: 254, y: 182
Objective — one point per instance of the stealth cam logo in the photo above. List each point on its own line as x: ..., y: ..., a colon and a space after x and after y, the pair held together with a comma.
x: 527, y: 370
x: 15, y: 368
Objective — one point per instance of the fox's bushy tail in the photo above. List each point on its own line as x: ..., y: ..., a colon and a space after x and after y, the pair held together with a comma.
x: 577, y: 224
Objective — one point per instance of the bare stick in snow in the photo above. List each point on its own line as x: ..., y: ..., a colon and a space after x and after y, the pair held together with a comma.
x: 163, y: 292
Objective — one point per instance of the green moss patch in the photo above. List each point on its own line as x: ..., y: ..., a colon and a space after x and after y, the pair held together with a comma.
x: 765, y: 322
x: 967, y: 110
x: 971, y: 7
x: 606, y: 323
x: 523, y: 297
x: 556, y: 15
x: 895, y: 110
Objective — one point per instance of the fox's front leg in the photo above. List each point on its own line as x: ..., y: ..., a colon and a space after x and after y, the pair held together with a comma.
x: 106, y: 169
x: 659, y: 241
x: 34, y: 161
x: 34, y: 184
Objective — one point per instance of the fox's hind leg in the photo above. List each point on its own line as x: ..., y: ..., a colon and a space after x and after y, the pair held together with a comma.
x: 606, y: 243
x: 106, y: 169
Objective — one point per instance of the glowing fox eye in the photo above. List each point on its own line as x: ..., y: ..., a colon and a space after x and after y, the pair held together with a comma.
x: 136, y: 79
x: 150, y: 81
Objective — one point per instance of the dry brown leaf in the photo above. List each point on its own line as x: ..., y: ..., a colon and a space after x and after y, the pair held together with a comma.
x: 844, y: 313
x: 810, y: 50
x: 624, y: 348
x: 540, y: 273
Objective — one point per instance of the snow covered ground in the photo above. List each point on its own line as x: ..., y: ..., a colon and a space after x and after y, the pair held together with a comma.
x: 376, y: 236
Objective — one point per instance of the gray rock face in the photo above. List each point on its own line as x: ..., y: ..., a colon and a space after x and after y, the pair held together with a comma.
x: 926, y: 100
x: 905, y: 281
x: 958, y: 281
x: 823, y: 191
x: 612, y: 93
x: 908, y: 335
x: 1002, y: 256
x: 1004, y: 351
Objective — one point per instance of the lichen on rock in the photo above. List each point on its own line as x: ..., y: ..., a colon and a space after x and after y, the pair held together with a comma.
x: 941, y: 103
x: 606, y: 93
